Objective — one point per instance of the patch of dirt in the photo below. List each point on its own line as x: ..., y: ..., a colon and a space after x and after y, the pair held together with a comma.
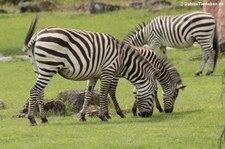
x: 9, y: 58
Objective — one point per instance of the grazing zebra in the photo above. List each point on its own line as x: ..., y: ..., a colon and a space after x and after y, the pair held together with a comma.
x: 169, y: 79
x: 154, y: 69
x: 180, y: 32
x: 81, y: 55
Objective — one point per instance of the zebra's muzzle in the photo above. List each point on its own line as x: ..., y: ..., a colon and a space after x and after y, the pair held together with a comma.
x: 169, y: 110
x: 145, y: 113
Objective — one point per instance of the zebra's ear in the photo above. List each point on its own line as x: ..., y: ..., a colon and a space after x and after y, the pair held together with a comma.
x: 180, y: 86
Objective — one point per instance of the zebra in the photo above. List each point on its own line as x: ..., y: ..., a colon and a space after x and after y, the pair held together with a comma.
x: 155, y: 68
x: 180, y: 32
x: 82, y: 55
x: 169, y: 79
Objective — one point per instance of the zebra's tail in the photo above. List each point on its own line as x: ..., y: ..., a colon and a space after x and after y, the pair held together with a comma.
x: 27, y: 43
x: 215, y: 46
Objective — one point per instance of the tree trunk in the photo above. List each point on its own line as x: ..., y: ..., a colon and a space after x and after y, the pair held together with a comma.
x: 211, y: 9
x: 218, y: 11
x: 221, y: 26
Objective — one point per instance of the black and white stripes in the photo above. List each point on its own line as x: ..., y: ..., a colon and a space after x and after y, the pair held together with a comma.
x: 180, y: 32
x: 81, y: 55
x: 168, y: 78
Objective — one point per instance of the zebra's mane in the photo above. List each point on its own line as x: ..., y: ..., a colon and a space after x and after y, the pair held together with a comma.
x: 171, y: 70
x: 133, y: 32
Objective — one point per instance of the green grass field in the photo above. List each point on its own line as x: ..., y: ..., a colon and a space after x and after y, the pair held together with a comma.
x: 197, y: 121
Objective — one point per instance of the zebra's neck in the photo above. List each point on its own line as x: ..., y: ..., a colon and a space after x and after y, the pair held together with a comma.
x: 134, y: 66
x: 169, y: 76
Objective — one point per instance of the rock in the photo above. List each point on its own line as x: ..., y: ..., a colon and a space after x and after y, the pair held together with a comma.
x: 92, y: 111
x: 98, y: 7
x: 136, y: 5
x: 28, y: 7
x: 155, y: 5
x: 1, y: 104
x: 47, y: 6
x: 75, y: 98
x: 20, y: 115
x: 3, y: 11
x: 35, y: 7
x: 51, y: 107
x: 55, y: 107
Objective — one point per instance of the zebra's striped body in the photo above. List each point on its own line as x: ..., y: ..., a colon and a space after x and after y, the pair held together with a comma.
x: 80, y: 55
x: 180, y: 32
x: 169, y: 79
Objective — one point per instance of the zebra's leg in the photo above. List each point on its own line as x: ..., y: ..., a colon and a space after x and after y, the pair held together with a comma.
x: 88, y: 97
x: 212, y: 62
x: 112, y: 92
x: 41, y: 108
x: 204, y: 60
x: 158, y: 106
x: 134, y: 108
x: 35, y: 93
x: 106, y: 79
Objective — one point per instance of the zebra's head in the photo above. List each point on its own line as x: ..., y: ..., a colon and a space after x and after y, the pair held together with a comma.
x: 171, y: 83
x: 170, y: 98
x: 145, y: 94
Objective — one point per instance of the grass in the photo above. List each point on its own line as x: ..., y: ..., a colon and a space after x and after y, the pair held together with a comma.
x: 197, y: 120
x: 14, y: 26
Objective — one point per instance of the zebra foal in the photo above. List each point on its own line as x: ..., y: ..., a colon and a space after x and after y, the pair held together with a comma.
x: 180, y: 32
x: 169, y: 79
x: 81, y: 55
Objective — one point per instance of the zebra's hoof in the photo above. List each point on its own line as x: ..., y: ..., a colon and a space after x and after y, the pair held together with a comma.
x: 134, y: 111
x: 121, y: 115
x: 44, y: 120
x: 33, y: 124
x: 32, y: 121
x: 160, y: 110
x: 108, y: 116
x: 82, y: 117
x: 103, y: 118
x: 208, y: 73
x: 197, y: 74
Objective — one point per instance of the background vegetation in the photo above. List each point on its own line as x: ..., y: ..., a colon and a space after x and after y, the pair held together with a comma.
x: 197, y: 120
